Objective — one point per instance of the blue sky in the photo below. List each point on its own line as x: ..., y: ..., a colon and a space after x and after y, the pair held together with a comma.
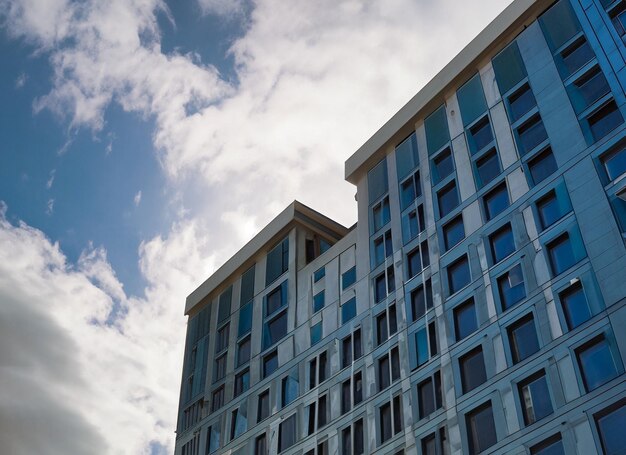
x: 142, y: 143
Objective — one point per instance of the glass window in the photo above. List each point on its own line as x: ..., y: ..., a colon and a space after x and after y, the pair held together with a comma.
x: 245, y: 319
x: 348, y: 278
x: 425, y: 343
x: 523, y: 338
x: 275, y: 330
x: 414, y: 262
x: 530, y: 134
x: 575, y: 305
x: 217, y: 399
x: 383, y: 248
x: 263, y: 409
x: 380, y: 214
x: 448, y: 199
x: 413, y: 223
x: 596, y: 363
x: 242, y: 382
x: 318, y: 301
x: 223, y: 312
x: 348, y: 310
x: 377, y: 183
x: 481, y: 428
x: 436, y: 126
x: 243, y: 351
x: 496, y: 201
x: 480, y: 135
x: 548, y: 209
x: 319, y: 274
x: 615, y: 163
x: 220, y: 368
x: 473, y: 372
x: 443, y: 165
x: 316, y: 333
x: 521, y: 102
x: 277, y: 261
x: 561, y: 254
x: 588, y: 89
x: 459, y: 274
x: 511, y: 287
x: 453, y: 232
x: 287, y: 432
x: 247, y: 286
x: 260, y: 445
x: 214, y: 438
x: 574, y: 57
x: 410, y: 189
x: 471, y: 100
x: 221, y: 340
x: 508, y: 68
x: 238, y: 423
x: 421, y: 300
x: 604, y: 120
x: 542, y: 166
x: 535, y: 397
x: 429, y: 395
x: 276, y: 299
x: 611, y: 423
x: 270, y: 363
x: 465, y: 322
x: 551, y: 446
x: 487, y: 167
x: 559, y: 24
x: 502, y: 243
x: 406, y: 156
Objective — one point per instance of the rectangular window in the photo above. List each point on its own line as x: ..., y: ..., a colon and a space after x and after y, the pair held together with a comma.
x: 523, y: 338
x: 549, y: 210
x: 421, y: 300
x: 596, y: 362
x: 410, y: 189
x: 390, y: 419
x: 530, y: 134
x: 425, y: 344
x: 260, y: 445
x: 414, y: 262
x: 473, y: 373
x: 275, y: 330
x: 406, y: 156
x: 317, y: 370
x: 388, y: 368
x: 502, y: 243
x: 588, y: 89
x: 496, y: 201
x: 270, y: 364
x: 604, y: 120
x: 377, y: 183
x: 213, y: 435
x: 238, y: 422
x: 287, y: 432
x: 351, y: 348
x: 386, y: 324
x: 382, y: 249
x: 614, y: 163
x: 348, y: 278
x: 347, y: 441
x: 561, y: 254
x: 508, y: 68
x: 550, y: 446
x: 436, y: 126
x: 384, y: 284
x: 453, y: 232
x: 535, y: 397
x: 289, y: 388
x: 413, y: 223
x: 348, y: 310
x: 429, y: 395
x: 346, y: 391
x: 247, y: 286
x: 277, y: 261
x: 242, y: 382
x: 223, y: 311
x: 217, y: 399
x: 221, y: 341
x: 611, y: 423
x: 245, y: 319
x: 521, y: 102
x: 263, y: 409
x: 574, y: 57
x: 465, y: 322
x: 220, y: 368
x: 435, y: 443
x: 542, y: 166
x: 511, y: 287
x: 316, y: 333
x: 448, y: 199
x: 319, y: 274
x: 243, y: 351
x: 459, y: 274
x: 575, y: 306
x: 487, y: 168
x: 481, y: 428
x: 480, y: 135
x: 318, y: 301
x: 322, y: 411
x: 559, y: 24
x: 380, y: 214
x: 443, y: 165
x: 471, y: 100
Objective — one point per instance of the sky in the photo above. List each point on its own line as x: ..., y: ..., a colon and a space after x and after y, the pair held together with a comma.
x: 142, y: 143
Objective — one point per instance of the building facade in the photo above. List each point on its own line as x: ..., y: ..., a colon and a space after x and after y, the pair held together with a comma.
x: 478, y: 305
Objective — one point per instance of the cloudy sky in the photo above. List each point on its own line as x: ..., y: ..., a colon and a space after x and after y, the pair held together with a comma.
x: 142, y: 142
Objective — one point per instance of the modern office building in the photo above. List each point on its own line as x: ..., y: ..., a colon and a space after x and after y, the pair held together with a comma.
x: 478, y: 305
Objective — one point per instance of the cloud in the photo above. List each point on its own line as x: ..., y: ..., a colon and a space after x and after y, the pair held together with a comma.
x: 20, y: 81
x: 137, y: 198
x: 226, y: 8
x: 51, y: 179
x: 50, y: 207
x: 107, y: 384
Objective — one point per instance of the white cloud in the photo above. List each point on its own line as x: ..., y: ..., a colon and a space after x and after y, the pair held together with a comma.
x: 221, y: 7
x: 137, y: 198
x: 21, y: 80
x: 50, y: 207
x: 50, y: 180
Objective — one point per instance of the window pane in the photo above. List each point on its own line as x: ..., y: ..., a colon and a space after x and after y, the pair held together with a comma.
x: 549, y: 211
x: 348, y: 310
x: 348, y: 278
x: 502, y: 243
x: 319, y: 274
x: 245, y: 319
x: 414, y: 262
x: 277, y: 261
x: 437, y: 133
x: 453, y: 232
x: 587, y: 89
x: 471, y: 100
x: 426, y: 396
x: 242, y: 382
x: 542, y: 166
x: 480, y: 135
x: 530, y: 134
x: 290, y: 389
x: 274, y: 301
x: 465, y: 322
x: 509, y: 68
x: 406, y: 156
x: 421, y: 341
x: 473, y: 372
x: 385, y: 422
x: 605, y: 120
x: 459, y: 274
x: 535, y: 398
x: 552, y: 446
x: 511, y: 287
x: 316, y: 333
x: 287, y: 433
x: 270, y: 364
x: 575, y: 56
x: 275, y: 330
x: 575, y: 306
x: 224, y: 304
x: 487, y: 167
x: 611, y: 428
x: 448, y: 199
x: 443, y: 166
x: 615, y: 163
x: 481, y: 429
x: 560, y: 24
x: 496, y: 201
x: 521, y: 102
x: 318, y: 301
x: 377, y: 181
x: 523, y: 339
x: 247, y: 285
x: 243, y: 351
x: 358, y: 437
x: 561, y: 254
x: 596, y: 363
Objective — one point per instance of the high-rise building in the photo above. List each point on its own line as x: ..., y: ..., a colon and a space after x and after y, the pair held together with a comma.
x: 479, y: 303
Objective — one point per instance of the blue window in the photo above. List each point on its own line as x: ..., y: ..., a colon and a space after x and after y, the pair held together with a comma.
x: 471, y: 100
x: 436, y: 126
x: 458, y: 274
x: 413, y: 223
x: 223, y: 311
x: 604, y: 120
x: 472, y: 366
x: 410, y: 189
x: 574, y: 57
x: 242, y: 382
x: 521, y: 102
x: 348, y: 310
x: 383, y: 248
x: 502, y: 243
x: 406, y: 156
x: 421, y: 300
x: 575, y: 306
x: 318, y: 301
x: 453, y: 232
x: 496, y: 201
x: 530, y: 134
x: 245, y: 319
x: 588, y: 89
x: 270, y: 364
x: 508, y: 68
x: 348, y: 278
x: 549, y: 210
x: 421, y: 340
x: 480, y: 135
x: 247, y: 286
x: 443, y: 165
x: 243, y: 351
x: 277, y: 261
x: 316, y: 333
x: 481, y: 428
x: 611, y: 423
x: 448, y: 199
x: 290, y: 387
x: 380, y: 214
x: 614, y: 163
x: 559, y: 24
x: 377, y: 183
x: 414, y: 262
x: 597, y: 363
x: 542, y: 166
x: 276, y: 299
x: 275, y: 330
x: 561, y: 254
x: 487, y: 167
x: 551, y: 446
x: 535, y: 398
x: 511, y: 287
x: 523, y: 338
x: 465, y: 322
x: 319, y: 274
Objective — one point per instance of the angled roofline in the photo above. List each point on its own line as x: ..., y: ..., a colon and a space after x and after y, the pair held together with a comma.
x: 295, y: 213
x: 509, y: 23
